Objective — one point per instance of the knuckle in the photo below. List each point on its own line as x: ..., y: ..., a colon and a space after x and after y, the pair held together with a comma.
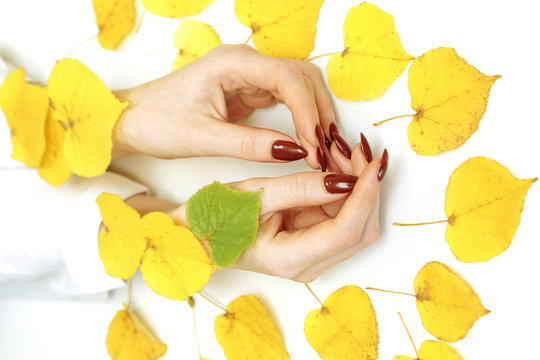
x: 248, y: 146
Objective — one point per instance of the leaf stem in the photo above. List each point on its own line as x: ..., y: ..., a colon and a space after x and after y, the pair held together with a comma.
x: 322, y: 55
x: 249, y: 38
x: 408, y: 333
x: 80, y: 45
x: 389, y: 291
x: 392, y: 118
x: 422, y: 223
x: 192, y: 305
x: 140, y: 21
x: 312, y: 293
x: 207, y: 298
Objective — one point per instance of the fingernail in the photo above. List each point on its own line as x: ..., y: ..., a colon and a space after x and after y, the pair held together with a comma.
x: 327, y: 142
x: 366, y: 149
x: 333, y: 129
x: 339, y: 183
x: 320, y: 138
x: 342, y: 145
x: 287, y: 150
x: 383, y: 165
x: 321, y: 159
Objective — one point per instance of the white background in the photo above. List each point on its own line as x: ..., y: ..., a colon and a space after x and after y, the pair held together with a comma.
x: 497, y: 37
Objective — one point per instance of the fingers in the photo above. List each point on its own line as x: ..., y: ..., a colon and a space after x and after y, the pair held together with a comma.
x: 298, y: 84
x: 298, y: 190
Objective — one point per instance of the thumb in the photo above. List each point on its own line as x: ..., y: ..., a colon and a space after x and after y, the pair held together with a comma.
x: 250, y: 143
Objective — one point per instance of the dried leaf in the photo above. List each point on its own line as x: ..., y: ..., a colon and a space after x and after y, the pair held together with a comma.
x: 226, y: 218
x: 449, y: 97
x: 115, y: 20
x: 89, y: 111
x: 53, y: 167
x: 433, y: 350
x: 483, y: 205
x: 25, y: 107
x: 447, y: 305
x: 129, y: 339
x: 121, y: 244
x: 175, y: 265
x: 373, y: 57
x: 175, y: 8
x: 281, y: 28
x: 246, y: 332
x: 193, y: 39
x: 345, y: 328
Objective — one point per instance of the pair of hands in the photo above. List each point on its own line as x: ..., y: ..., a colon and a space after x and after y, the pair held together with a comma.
x: 308, y: 221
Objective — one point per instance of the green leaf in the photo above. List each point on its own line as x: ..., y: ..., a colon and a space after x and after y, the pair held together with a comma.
x: 228, y: 219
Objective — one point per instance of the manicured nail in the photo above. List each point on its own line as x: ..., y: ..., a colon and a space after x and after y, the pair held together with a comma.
x: 320, y: 138
x: 332, y: 129
x: 339, y: 183
x: 327, y: 142
x: 342, y: 145
x: 383, y: 165
x: 321, y: 159
x: 366, y: 149
x: 287, y: 150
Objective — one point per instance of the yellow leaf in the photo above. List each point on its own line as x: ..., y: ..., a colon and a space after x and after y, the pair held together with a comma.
x: 246, y: 332
x: 483, y: 205
x: 89, y: 111
x: 175, y: 8
x: 53, y: 167
x: 447, y: 305
x: 193, y: 39
x: 449, y: 97
x: 373, y: 57
x: 281, y: 28
x: 175, y: 265
x: 433, y: 350
x: 129, y: 339
x: 121, y: 244
x: 115, y: 20
x: 345, y: 327
x: 25, y: 107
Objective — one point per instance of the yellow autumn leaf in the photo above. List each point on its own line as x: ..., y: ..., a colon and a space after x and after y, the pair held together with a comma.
x: 373, y: 57
x: 433, y: 350
x: 121, y: 243
x: 246, y: 332
x: 345, y: 327
x: 25, y: 108
x: 281, y: 28
x: 53, y: 167
x: 447, y: 305
x: 89, y: 111
x: 129, y: 339
x: 175, y: 265
x: 483, y: 205
x: 449, y: 97
x: 193, y: 39
x: 115, y: 20
x: 175, y: 8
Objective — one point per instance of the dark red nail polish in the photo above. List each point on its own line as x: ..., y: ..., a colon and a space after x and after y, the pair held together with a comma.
x: 342, y: 145
x: 332, y: 129
x: 383, y: 165
x: 321, y: 158
x: 327, y: 142
x: 287, y: 150
x: 366, y: 149
x: 339, y: 183
x: 320, y: 137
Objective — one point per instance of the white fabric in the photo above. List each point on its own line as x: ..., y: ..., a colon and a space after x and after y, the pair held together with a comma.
x: 48, y: 235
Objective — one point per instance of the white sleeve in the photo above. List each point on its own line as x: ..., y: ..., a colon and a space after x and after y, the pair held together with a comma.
x: 48, y: 235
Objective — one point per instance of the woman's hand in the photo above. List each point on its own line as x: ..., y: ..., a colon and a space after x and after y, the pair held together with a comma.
x: 192, y: 112
x: 311, y: 221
